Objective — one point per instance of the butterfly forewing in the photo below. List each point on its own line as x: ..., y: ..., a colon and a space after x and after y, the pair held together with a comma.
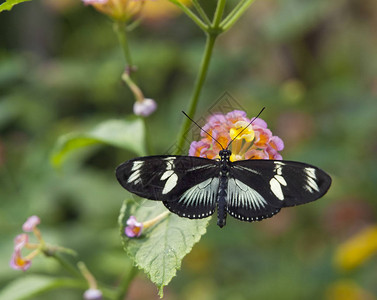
x: 273, y: 184
x: 186, y: 185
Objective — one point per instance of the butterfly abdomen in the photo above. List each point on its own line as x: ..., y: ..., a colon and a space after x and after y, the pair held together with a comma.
x: 221, y: 198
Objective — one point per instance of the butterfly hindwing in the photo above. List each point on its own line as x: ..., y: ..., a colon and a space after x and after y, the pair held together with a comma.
x: 273, y: 184
x: 197, y: 202
x: 186, y: 185
x: 246, y: 203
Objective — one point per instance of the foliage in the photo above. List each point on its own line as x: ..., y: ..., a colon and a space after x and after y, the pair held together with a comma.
x: 8, y: 4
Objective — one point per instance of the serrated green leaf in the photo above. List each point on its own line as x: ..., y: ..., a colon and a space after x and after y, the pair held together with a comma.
x: 160, y: 249
x: 126, y: 134
x: 30, y: 286
x: 7, y: 5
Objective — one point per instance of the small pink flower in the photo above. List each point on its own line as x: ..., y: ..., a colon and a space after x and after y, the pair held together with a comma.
x: 133, y: 228
x: 254, y: 142
x: 197, y: 148
x: 256, y: 154
x: 31, y: 223
x: 21, y: 240
x: 145, y: 108
x: 273, y: 154
x: 19, y: 263
x: 93, y: 294
x: 237, y: 115
x: 259, y: 122
x: 277, y: 143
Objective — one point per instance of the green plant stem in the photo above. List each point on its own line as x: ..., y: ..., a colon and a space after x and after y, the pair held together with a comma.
x: 125, y: 284
x: 66, y: 265
x: 218, y: 14
x: 121, y: 32
x: 233, y: 12
x: 191, y: 15
x: 201, y: 12
x: 237, y: 12
x: 211, y: 38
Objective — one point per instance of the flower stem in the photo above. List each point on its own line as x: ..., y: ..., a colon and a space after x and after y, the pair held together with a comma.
x: 191, y: 15
x: 121, y: 32
x: 211, y: 38
x: 87, y: 275
x: 235, y: 14
x: 218, y: 13
x: 150, y: 223
x: 67, y: 265
x: 138, y: 94
x: 201, y: 11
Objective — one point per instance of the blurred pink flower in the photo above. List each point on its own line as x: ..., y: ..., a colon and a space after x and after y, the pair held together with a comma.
x: 133, y: 228
x: 17, y: 262
x: 31, y: 223
x: 145, y: 107
x: 93, y: 294
x: 21, y: 240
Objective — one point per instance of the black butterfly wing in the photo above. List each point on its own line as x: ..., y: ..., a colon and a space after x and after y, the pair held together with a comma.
x: 187, y: 185
x: 258, y: 189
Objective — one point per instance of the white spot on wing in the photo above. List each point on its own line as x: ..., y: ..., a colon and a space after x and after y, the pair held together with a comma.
x: 170, y: 183
x: 310, y: 172
x: 278, y: 180
x: 167, y: 174
x: 135, y: 175
x: 276, y: 188
x: 137, y: 165
x: 281, y: 180
x: 310, y: 180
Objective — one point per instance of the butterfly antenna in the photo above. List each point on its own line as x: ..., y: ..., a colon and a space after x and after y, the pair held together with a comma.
x: 203, y: 129
x: 245, y: 127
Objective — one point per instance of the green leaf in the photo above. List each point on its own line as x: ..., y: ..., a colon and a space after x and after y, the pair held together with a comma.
x: 160, y: 249
x: 7, y: 5
x: 33, y: 285
x: 126, y: 134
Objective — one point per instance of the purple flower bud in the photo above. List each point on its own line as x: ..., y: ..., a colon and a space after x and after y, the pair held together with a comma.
x: 31, y: 223
x: 145, y: 108
x: 21, y: 240
x: 93, y: 294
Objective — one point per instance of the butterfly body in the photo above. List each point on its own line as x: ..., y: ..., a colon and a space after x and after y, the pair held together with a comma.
x: 248, y: 190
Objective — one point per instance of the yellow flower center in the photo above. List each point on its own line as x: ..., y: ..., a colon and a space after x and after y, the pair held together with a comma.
x: 247, y: 134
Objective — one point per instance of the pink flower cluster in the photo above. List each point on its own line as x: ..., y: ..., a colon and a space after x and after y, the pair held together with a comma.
x: 21, y: 241
x: 254, y: 142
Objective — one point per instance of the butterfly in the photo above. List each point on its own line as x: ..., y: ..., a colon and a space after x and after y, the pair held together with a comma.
x: 248, y: 190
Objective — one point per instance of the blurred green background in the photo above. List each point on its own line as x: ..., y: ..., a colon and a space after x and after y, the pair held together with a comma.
x: 313, y: 64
